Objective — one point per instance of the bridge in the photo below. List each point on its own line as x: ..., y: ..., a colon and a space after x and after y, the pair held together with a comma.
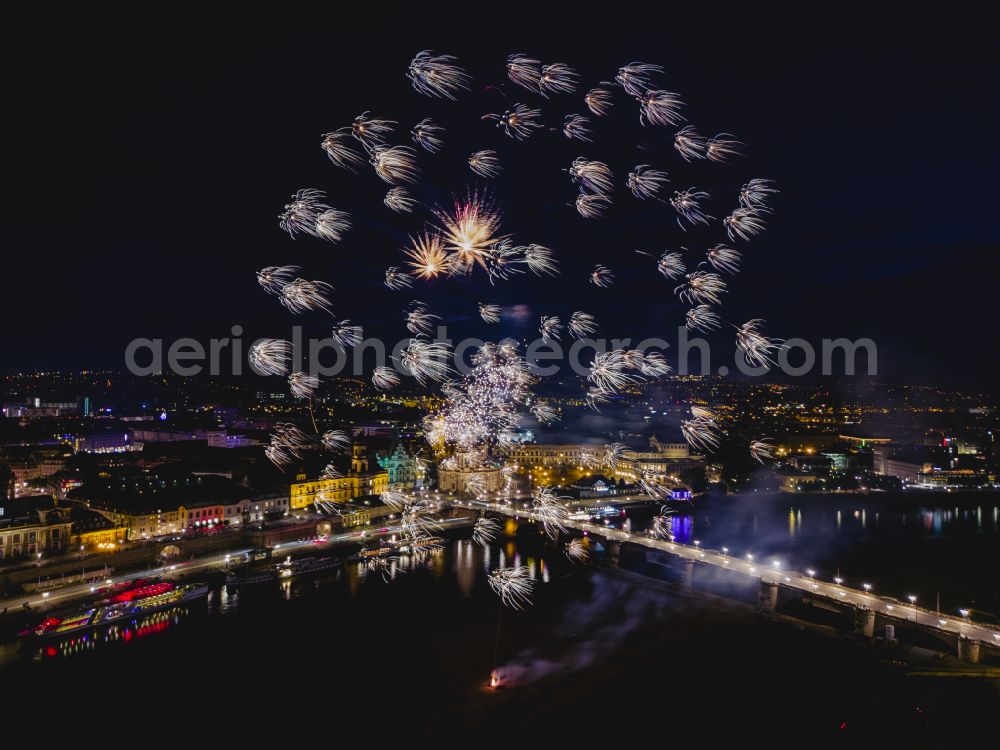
x: 967, y: 638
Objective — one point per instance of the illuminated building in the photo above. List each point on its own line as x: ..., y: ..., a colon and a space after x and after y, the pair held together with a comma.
x: 303, y: 492
x: 33, y: 525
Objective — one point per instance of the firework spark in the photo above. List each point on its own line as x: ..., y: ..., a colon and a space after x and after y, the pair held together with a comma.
x: 513, y: 586
x: 724, y: 258
x: 518, y: 122
x: 671, y: 265
x: 757, y: 347
x: 428, y: 135
x: 330, y: 471
x: 599, y: 101
x: 581, y: 325
x: 339, y: 147
x: 426, y: 360
x: 701, y: 287
x: 420, y: 319
x: 524, y: 71
x: 577, y: 551
x: 397, y: 279
x: 756, y: 193
x: 346, y: 334
x: 654, y: 364
x: 274, y: 278
x: 557, y: 78
x: 550, y: 510
x: 385, y: 378
x: 645, y: 182
x: 540, y: 260
x: 470, y: 230
x: 332, y: 225
x: 302, y: 385
x: 302, y: 212
x: 744, y: 223
x: 762, y: 450
x: 660, y: 108
x: 428, y: 256
x: 489, y: 313
x: 594, y: 176
x: 300, y: 295
x: 270, y: 356
x: 689, y: 144
x: 607, y: 371
x: 592, y: 206
x: 635, y: 77
x: 485, y: 531
x: 602, y: 276
x: 702, y: 318
x: 545, y: 413
x: 577, y: 127
x: 687, y: 203
x: 371, y: 131
x: 485, y: 163
x: 395, y: 164
x: 400, y: 200
x: 723, y: 147
x: 437, y: 75
x: 550, y: 328
x: 337, y: 441
x: 700, y: 433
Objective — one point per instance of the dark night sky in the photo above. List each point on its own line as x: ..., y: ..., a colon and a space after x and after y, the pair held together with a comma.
x: 147, y: 154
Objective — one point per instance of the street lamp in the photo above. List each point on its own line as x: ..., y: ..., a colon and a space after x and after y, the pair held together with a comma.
x: 838, y: 580
x: 867, y: 587
x: 964, y: 613
x: 811, y: 573
x: 913, y: 601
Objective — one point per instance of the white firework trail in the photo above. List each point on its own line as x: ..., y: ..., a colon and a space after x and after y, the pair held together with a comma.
x: 437, y: 75
x: 270, y: 356
x: 518, y: 122
x: 577, y: 127
x: 701, y: 412
x: 524, y: 71
x: 702, y: 318
x: 540, y: 260
x: 635, y: 77
x: 550, y: 328
x: 420, y: 319
x: 428, y: 257
x: 399, y: 200
x: 550, y: 510
x: 274, y: 278
x: 594, y: 176
x: 339, y: 147
x: 757, y: 348
x: 514, y: 586
x: 557, y: 78
x: 485, y: 163
x: 577, y: 551
x: 724, y: 258
x: 762, y: 450
x: 756, y: 193
x: 592, y: 206
x: 670, y: 265
x: 346, y: 334
x: 581, y: 324
x: 608, y: 371
x: 503, y: 260
x: 330, y: 471
x: 602, y: 276
x: 302, y: 385
x: 300, y: 295
x: 701, y: 287
x: 661, y: 526
x: 302, y: 212
x: 394, y: 500
x: 395, y: 164
x: 660, y: 108
x: 332, y: 225
x: 337, y: 441
x: 599, y: 101
x: 654, y: 364
x: 700, y: 434
x: 744, y: 223
x: 428, y: 135
x: 646, y: 182
x: 545, y: 413
x: 614, y: 454
x: 596, y: 395
x: 489, y: 313
x: 687, y: 203
x: 486, y: 530
x: 385, y: 378
x: 278, y: 455
x: 371, y: 131
x: 397, y: 279
x: 723, y: 147
x: 426, y: 360
x: 689, y: 144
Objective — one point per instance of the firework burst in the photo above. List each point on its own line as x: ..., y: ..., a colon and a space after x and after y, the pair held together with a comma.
x: 550, y: 510
x: 346, y: 334
x: 592, y: 206
x: 395, y: 164
x: 744, y: 223
x: 602, y: 276
x: 670, y: 264
x: 485, y: 163
x: 545, y: 413
x: 687, y: 203
x: 332, y: 225
x: 513, y: 585
x: 300, y: 295
x: 397, y: 279
x: 524, y: 71
x: 724, y: 258
x: 599, y: 101
x: 645, y: 182
x: 470, y: 230
x: 274, y: 278
x: 762, y: 450
x: 550, y: 328
x: 420, y: 319
x: 608, y: 371
x: 689, y: 144
x: 635, y: 77
x: 540, y: 260
x: 400, y: 200
x: 519, y: 122
x: 577, y: 551
x: 428, y: 256
x: 384, y: 378
x: 756, y: 193
x: 702, y: 318
x: 577, y: 127
x: 302, y: 212
x: 339, y: 147
x: 594, y: 176
x: 270, y: 356
x: 660, y: 108
x: 371, y: 131
x: 437, y: 75
x: 757, y: 348
x: 489, y: 313
x: 426, y: 360
x: 701, y: 434
x: 722, y: 148
x: 485, y: 531
x: 581, y: 325
x: 557, y: 78
x: 701, y: 287
x: 337, y: 441
x: 302, y: 385
x: 428, y: 135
